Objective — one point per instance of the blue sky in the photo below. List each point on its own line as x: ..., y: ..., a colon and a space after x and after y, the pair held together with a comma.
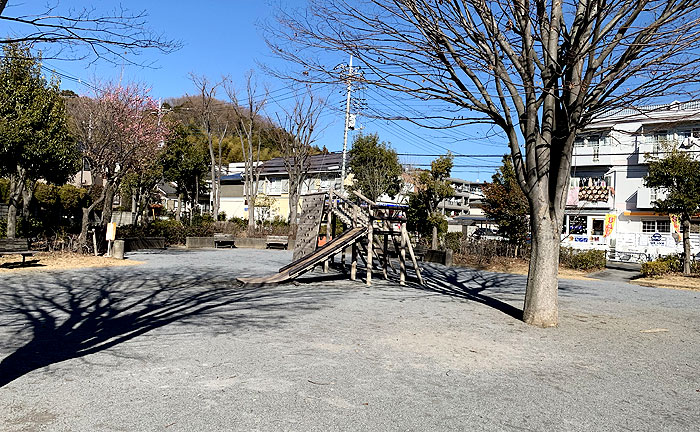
x: 224, y: 38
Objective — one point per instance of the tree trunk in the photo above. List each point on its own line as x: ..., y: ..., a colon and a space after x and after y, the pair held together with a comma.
x: 82, y: 238
x: 541, y: 308
x: 293, y: 209
x: 686, y: 246
x: 16, y: 189
x: 251, y: 213
x: 434, y: 244
x: 178, y: 213
x: 215, y: 207
x: 107, y: 204
x: 27, y: 195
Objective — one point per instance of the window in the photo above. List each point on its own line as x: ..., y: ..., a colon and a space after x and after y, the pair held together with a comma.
x: 274, y: 187
x: 663, y: 226
x: 648, y: 226
x: 598, y: 225
x: 658, y: 139
x: 578, y: 225
x: 654, y: 226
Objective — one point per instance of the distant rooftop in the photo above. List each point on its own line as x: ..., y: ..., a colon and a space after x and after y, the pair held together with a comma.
x: 316, y: 164
x: 646, y: 114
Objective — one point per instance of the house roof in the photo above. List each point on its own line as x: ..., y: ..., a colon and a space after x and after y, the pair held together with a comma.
x: 316, y: 164
x: 632, y: 119
x: 232, y: 177
x: 167, y: 188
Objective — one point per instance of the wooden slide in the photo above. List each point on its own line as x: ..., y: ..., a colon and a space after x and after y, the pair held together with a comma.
x: 306, y: 263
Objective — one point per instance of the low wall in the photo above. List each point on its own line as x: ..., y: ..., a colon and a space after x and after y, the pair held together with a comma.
x: 199, y: 242
x: 137, y: 243
x: 239, y: 242
x: 257, y: 243
x: 439, y: 257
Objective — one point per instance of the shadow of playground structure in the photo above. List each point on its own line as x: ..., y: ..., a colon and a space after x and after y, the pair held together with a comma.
x: 62, y: 316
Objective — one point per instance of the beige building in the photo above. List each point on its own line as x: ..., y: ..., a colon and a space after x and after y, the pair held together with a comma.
x: 323, y: 174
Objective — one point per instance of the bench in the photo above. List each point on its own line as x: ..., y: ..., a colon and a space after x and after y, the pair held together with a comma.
x: 224, y: 240
x: 17, y: 246
x: 277, y: 241
x: 419, y: 252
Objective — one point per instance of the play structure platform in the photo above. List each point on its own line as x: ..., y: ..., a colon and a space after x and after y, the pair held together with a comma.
x: 367, y: 227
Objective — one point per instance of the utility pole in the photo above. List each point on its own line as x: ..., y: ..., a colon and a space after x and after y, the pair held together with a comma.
x: 350, y: 72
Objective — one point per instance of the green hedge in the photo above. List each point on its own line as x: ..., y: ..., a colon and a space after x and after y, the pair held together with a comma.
x: 174, y: 231
x: 668, y: 264
x: 582, y: 260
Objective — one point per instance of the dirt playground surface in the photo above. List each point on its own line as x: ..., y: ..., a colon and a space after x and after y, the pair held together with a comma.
x: 176, y: 345
x: 43, y: 261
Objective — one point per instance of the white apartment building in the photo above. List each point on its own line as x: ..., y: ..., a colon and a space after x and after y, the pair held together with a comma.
x: 609, y: 163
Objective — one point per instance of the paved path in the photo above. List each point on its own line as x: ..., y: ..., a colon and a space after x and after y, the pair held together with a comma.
x: 175, y: 345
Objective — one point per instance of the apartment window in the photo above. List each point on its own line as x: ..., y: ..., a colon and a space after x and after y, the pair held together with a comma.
x: 653, y: 195
x: 658, y: 139
x: 588, y: 141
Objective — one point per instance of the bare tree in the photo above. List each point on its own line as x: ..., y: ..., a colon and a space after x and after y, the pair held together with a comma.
x: 296, y: 134
x: 213, y: 121
x: 247, y: 122
x: 539, y: 70
x: 83, y: 33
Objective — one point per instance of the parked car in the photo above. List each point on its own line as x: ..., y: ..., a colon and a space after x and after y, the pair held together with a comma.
x: 486, y: 234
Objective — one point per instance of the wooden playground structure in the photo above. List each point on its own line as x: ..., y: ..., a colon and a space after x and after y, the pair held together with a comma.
x: 370, y: 231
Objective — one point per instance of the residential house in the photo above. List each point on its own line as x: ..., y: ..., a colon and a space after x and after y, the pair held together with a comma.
x: 610, y: 160
x: 323, y: 174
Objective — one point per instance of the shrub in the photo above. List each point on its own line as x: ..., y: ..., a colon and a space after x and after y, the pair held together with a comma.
x: 655, y: 268
x: 582, y: 260
x: 222, y: 216
x: 173, y: 231
x: 241, y: 223
x: 675, y: 262
x: 453, y: 240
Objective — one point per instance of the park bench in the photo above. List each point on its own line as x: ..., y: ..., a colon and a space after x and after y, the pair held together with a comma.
x: 419, y: 252
x: 17, y: 246
x: 224, y: 240
x: 277, y: 241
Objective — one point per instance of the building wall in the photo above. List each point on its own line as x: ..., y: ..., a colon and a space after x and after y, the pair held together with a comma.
x: 616, y: 149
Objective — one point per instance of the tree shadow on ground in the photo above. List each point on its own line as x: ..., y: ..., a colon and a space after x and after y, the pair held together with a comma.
x: 61, y: 316
x: 474, y: 285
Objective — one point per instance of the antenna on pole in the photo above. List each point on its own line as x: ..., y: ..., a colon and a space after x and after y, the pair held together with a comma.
x: 349, y: 76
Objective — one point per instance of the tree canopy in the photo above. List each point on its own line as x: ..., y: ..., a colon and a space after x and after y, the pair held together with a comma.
x: 677, y: 174
x: 34, y: 138
x: 375, y: 167
x: 506, y: 204
x: 430, y: 188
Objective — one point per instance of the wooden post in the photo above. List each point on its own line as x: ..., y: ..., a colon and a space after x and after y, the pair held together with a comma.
x: 413, y: 256
x: 402, y: 258
x: 386, y: 256
x: 370, y: 245
x: 353, y: 265
x: 329, y: 217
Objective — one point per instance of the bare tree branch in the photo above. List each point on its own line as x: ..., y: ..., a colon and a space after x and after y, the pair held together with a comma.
x: 79, y: 34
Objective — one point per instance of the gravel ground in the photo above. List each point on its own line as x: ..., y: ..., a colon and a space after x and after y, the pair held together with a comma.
x: 176, y: 345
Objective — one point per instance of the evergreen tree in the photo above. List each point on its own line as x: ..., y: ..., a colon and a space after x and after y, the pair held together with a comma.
x: 34, y: 138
